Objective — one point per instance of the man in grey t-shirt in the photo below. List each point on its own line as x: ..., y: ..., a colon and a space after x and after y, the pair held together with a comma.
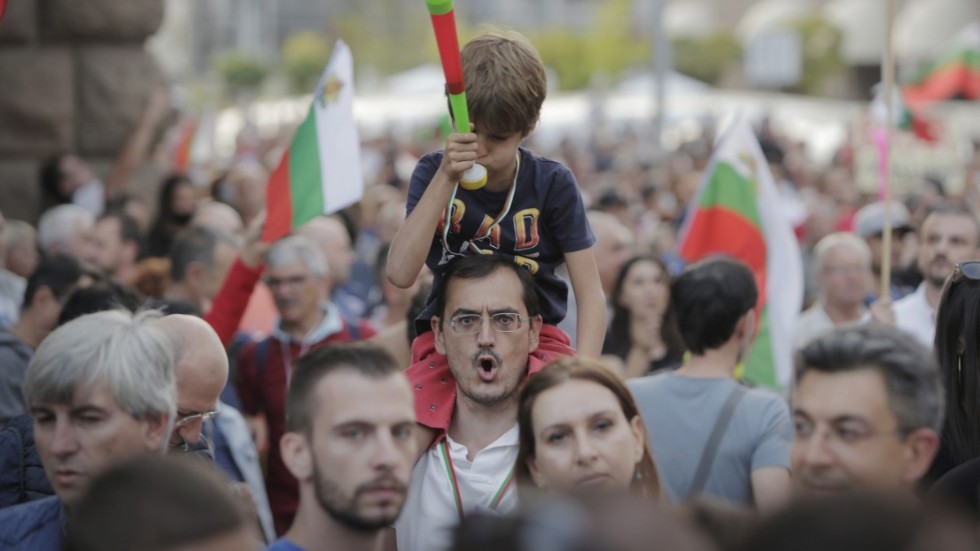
x: 709, y: 434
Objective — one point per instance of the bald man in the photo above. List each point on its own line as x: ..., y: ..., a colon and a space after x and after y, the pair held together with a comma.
x: 331, y: 236
x: 201, y: 372
x: 219, y: 216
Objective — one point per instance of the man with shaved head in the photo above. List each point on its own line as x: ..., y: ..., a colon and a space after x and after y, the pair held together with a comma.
x: 219, y: 216
x: 202, y: 370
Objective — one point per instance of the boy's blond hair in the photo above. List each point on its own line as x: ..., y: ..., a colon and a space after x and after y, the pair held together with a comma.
x: 505, y: 82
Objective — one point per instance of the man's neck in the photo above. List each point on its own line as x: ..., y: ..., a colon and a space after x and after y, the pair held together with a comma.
x: 933, y: 294
x: 843, y: 313
x: 26, y: 330
x: 713, y: 364
x: 298, y: 330
x: 314, y: 529
x: 477, y: 426
x: 179, y: 291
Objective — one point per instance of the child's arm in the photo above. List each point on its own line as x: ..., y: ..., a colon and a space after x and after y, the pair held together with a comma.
x: 591, y: 317
x: 413, y: 240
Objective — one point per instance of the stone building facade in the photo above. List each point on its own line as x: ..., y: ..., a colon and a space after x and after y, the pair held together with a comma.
x: 74, y: 77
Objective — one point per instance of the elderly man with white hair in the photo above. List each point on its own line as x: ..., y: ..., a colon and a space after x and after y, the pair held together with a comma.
x: 842, y: 264
x: 67, y: 229
x: 101, y: 389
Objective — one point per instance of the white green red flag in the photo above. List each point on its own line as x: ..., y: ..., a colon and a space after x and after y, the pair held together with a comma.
x: 953, y: 74
x: 736, y: 212
x: 320, y: 172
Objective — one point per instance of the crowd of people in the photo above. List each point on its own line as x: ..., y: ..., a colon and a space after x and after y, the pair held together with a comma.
x: 533, y: 367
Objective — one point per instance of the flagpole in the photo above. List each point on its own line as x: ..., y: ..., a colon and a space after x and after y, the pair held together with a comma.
x: 888, y: 77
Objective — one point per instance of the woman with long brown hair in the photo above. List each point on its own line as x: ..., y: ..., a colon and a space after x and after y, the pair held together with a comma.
x: 580, y: 429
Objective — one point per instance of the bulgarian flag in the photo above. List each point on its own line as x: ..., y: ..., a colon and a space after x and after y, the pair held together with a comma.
x: 320, y: 172
x: 736, y: 212
x: 954, y: 74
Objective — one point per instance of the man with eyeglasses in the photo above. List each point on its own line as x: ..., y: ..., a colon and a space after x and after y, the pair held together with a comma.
x: 202, y: 371
x: 868, y: 409
x: 487, y: 324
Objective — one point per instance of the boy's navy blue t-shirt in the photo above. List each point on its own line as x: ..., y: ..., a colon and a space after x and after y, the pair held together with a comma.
x: 546, y: 220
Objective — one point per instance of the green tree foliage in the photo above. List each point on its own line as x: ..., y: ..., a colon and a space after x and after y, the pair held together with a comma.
x: 706, y: 58
x: 390, y: 35
x: 611, y: 46
x: 304, y: 56
x: 240, y: 71
x: 821, y: 54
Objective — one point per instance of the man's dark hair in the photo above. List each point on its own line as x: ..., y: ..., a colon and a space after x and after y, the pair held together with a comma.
x: 195, y: 244
x: 109, y: 295
x: 366, y: 359
x: 151, y: 503
x: 60, y: 273
x: 709, y: 299
x: 915, y: 392
x: 479, y: 266
x: 129, y: 230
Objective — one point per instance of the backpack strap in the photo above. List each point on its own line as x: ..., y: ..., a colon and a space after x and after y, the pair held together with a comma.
x: 261, y: 354
x: 714, y: 440
x: 355, y: 331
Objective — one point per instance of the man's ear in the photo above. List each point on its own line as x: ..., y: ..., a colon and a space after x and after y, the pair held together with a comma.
x: 195, y: 273
x: 437, y: 331
x: 132, y: 251
x: 534, y: 333
x: 297, y: 456
x: 746, y: 325
x: 43, y: 296
x: 155, y: 434
x: 921, y: 448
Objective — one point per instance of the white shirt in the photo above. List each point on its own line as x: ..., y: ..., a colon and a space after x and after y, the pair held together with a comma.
x: 814, y: 322
x: 914, y: 315
x: 430, y: 513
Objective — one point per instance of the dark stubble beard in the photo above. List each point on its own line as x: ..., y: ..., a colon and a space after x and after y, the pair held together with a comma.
x: 343, y: 509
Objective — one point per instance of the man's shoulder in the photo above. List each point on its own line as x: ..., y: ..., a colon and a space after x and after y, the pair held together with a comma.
x: 34, y: 525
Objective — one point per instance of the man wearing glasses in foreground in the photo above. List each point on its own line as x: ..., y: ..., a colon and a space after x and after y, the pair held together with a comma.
x: 868, y: 410
x: 487, y: 324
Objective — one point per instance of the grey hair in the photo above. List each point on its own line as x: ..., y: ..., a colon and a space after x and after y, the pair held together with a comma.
x: 58, y: 224
x: 128, y: 353
x: 298, y: 248
x: 915, y: 390
x: 16, y: 231
x: 839, y: 239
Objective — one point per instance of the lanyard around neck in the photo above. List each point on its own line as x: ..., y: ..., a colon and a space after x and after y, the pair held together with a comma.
x: 457, y: 497
x: 447, y: 253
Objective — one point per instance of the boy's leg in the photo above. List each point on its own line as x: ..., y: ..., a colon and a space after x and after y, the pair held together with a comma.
x: 432, y: 382
x: 553, y: 343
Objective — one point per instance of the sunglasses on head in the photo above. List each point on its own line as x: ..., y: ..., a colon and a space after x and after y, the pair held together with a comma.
x: 970, y: 269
